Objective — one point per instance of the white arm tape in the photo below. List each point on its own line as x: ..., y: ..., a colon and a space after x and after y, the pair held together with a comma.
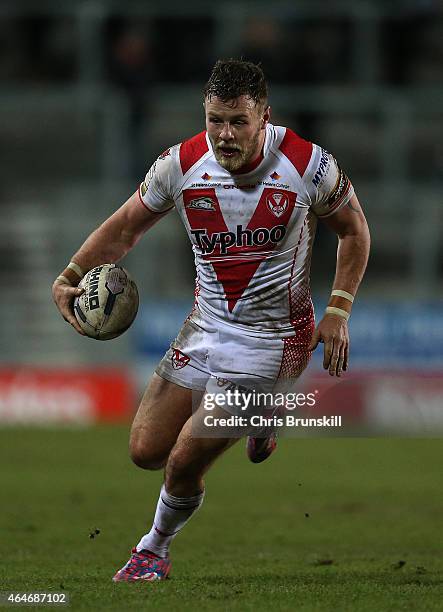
x: 64, y: 280
x: 337, y: 311
x: 76, y: 268
x: 343, y: 294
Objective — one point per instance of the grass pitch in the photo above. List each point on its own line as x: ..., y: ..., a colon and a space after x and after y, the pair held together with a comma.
x: 325, y: 524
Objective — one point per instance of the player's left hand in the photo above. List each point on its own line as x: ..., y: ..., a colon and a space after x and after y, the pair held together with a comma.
x: 333, y: 332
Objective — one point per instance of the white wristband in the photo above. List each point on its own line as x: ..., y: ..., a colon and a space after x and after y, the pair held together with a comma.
x: 64, y: 280
x: 338, y: 311
x: 343, y: 294
x: 76, y: 268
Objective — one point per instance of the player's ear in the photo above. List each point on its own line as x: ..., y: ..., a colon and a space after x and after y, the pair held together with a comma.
x: 266, y: 116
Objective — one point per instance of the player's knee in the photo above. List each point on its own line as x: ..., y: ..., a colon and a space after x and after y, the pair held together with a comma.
x: 146, y: 457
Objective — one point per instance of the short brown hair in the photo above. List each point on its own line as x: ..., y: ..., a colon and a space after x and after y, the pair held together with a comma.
x: 232, y: 78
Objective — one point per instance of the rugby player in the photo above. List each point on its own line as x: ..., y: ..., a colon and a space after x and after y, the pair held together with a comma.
x: 249, y: 194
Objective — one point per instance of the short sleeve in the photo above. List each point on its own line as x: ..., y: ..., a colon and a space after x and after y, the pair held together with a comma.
x: 156, y: 191
x: 330, y: 187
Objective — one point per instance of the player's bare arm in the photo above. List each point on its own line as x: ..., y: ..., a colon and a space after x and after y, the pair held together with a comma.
x: 109, y: 243
x: 351, y: 227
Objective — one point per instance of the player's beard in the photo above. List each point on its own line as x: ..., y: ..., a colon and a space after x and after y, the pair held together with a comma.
x: 243, y: 157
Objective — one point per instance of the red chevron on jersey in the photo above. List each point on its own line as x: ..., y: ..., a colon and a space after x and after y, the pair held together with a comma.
x: 225, y: 248
x: 297, y: 150
x: 252, y: 231
x: 192, y: 150
x: 237, y: 273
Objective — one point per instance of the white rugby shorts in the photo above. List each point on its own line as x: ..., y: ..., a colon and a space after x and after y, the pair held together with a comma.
x: 207, y: 352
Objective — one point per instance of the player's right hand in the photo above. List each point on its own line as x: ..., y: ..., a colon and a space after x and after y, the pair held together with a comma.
x: 332, y: 331
x: 63, y: 296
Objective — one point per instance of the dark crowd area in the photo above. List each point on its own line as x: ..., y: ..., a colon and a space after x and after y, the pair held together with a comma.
x: 43, y: 49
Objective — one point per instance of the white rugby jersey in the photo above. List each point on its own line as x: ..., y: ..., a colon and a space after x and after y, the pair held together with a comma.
x: 251, y: 233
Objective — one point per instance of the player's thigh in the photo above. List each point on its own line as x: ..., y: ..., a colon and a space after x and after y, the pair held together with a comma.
x: 164, y: 409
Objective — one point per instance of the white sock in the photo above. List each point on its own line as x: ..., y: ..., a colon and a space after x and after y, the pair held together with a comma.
x: 171, y: 515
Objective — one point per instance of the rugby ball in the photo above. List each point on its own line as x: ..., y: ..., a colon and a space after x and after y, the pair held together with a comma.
x: 109, y: 303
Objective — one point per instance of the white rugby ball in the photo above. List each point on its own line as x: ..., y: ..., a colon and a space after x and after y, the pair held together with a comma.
x: 109, y: 303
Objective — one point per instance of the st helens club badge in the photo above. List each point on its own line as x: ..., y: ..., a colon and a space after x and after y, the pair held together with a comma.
x: 179, y: 359
x: 277, y: 203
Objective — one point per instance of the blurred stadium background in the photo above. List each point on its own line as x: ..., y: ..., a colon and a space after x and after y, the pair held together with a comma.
x: 93, y: 91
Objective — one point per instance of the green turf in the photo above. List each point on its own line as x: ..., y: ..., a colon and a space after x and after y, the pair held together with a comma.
x: 323, y: 525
